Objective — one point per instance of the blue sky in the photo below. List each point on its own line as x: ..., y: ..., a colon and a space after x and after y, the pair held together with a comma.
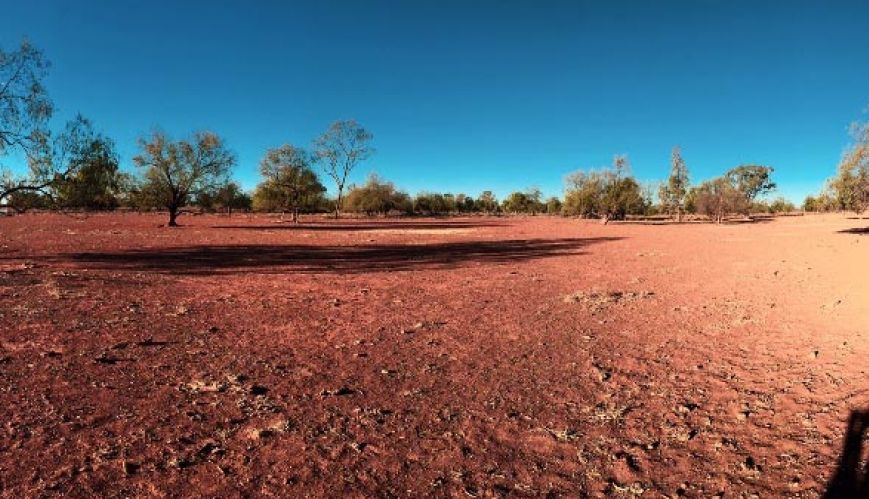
x: 464, y: 96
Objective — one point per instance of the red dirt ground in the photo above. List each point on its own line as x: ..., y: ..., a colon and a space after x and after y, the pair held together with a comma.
x: 479, y: 356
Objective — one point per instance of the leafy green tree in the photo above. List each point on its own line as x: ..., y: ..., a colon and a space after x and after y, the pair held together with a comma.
x: 174, y: 172
x: 287, y: 171
x: 340, y: 149
x: 672, y: 194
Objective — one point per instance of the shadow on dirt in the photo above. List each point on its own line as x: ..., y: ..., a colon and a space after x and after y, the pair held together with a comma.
x: 204, y: 260
x: 851, y: 478
x: 364, y: 226
x: 856, y: 230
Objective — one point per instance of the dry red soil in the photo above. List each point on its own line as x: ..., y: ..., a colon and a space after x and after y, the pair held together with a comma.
x: 418, y: 357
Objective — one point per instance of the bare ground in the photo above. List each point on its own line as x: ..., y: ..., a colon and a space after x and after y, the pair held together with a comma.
x: 476, y: 357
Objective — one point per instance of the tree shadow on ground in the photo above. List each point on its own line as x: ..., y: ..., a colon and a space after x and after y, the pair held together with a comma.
x: 363, y: 226
x: 207, y: 260
x: 856, y: 230
x: 852, y: 478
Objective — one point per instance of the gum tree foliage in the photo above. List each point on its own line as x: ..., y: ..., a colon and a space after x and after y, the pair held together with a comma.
x: 851, y: 184
x: 175, y: 172
x: 289, y: 178
x: 78, y: 168
x: 824, y: 202
x: 608, y: 194
x: 750, y: 181
x: 229, y: 197
x: 553, y: 206
x: 717, y: 198
x: 465, y: 203
x: 431, y: 203
x: 487, y: 202
x: 524, y: 202
x: 781, y: 205
x: 377, y: 196
x: 339, y: 150
x: 672, y: 194
x: 95, y: 182
x: 24, y: 112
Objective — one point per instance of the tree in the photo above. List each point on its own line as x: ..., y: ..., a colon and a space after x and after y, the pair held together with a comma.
x: 288, y: 174
x: 95, y: 182
x: 232, y: 197
x: 341, y: 147
x: 609, y: 194
x: 24, y: 112
x: 516, y: 202
x: 76, y: 168
x: 781, y: 205
x: 582, y: 194
x: 672, y: 194
x: 750, y: 181
x: 431, y: 203
x: 227, y: 197
x: 175, y: 172
x: 487, y: 202
x: 377, y: 196
x: 24, y: 104
x: 553, y: 206
x: 851, y: 184
x: 717, y: 198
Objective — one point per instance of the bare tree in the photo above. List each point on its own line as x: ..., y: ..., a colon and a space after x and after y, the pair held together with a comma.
x: 287, y: 171
x: 176, y: 171
x: 343, y: 146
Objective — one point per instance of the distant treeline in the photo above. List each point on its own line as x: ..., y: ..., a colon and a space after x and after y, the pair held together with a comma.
x: 78, y: 168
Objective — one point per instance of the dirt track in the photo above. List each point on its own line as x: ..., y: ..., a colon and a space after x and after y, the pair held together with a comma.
x: 480, y: 356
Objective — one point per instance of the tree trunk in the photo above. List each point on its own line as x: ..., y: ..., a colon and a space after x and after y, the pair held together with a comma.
x: 605, y: 220
x: 679, y: 215
x: 295, y: 214
x: 338, y: 203
x: 173, y: 214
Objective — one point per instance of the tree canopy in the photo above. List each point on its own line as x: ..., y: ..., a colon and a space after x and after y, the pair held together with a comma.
x: 176, y: 171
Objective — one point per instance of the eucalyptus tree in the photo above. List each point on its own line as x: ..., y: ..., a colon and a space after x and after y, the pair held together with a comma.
x: 339, y: 150
x: 289, y: 178
x: 174, y: 172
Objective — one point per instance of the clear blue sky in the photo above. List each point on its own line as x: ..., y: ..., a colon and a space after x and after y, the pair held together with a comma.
x: 464, y: 96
